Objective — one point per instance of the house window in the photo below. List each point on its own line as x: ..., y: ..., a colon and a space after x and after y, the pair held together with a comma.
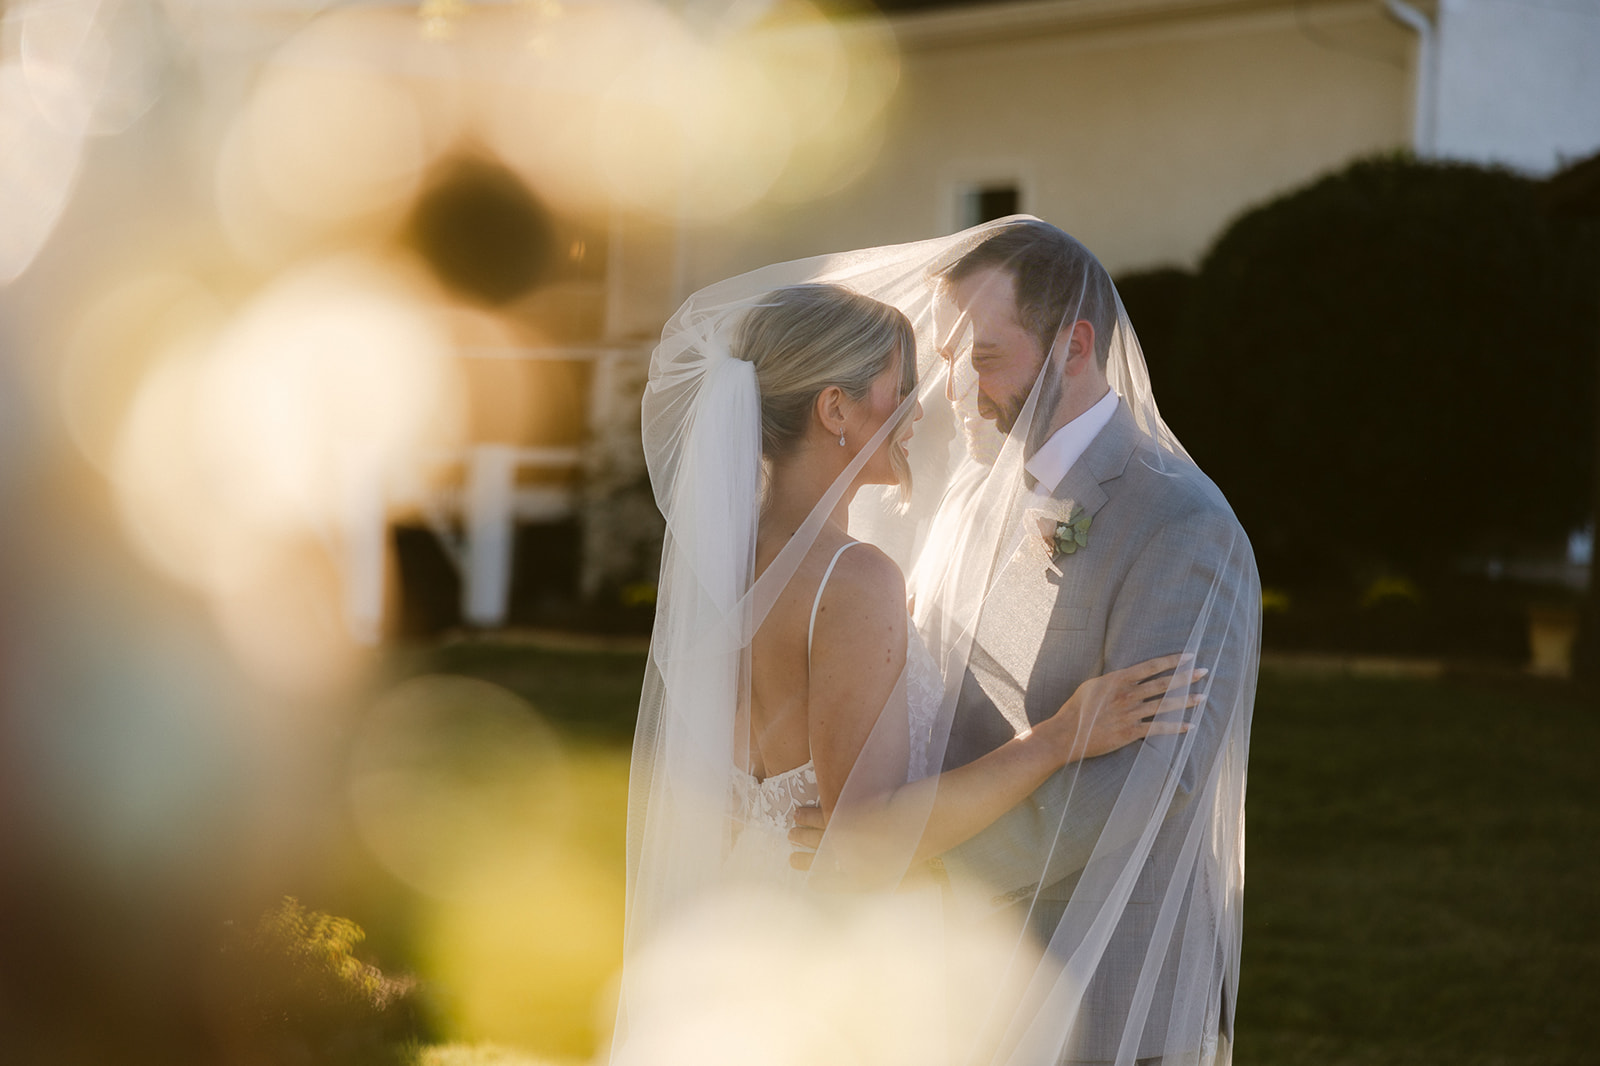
x: 989, y: 201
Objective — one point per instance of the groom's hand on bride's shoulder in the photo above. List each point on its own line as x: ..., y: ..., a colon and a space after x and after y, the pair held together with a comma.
x: 806, y: 836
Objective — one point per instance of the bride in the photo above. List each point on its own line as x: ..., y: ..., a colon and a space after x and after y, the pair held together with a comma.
x: 787, y: 671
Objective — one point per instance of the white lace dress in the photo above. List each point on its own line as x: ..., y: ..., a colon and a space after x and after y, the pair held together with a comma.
x: 764, y: 809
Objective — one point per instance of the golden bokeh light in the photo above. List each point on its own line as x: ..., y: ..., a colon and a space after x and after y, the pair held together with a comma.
x: 278, y: 605
x: 623, y: 103
x: 337, y: 133
x: 512, y: 836
x: 69, y: 70
x: 334, y: 373
x: 116, y: 340
x: 89, y: 64
x: 38, y: 168
x: 834, y: 150
x: 543, y: 119
x: 864, y: 980
x: 272, y: 591
x: 159, y: 483
x: 272, y: 432
x: 526, y: 965
x: 332, y: 143
x: 65, y: 56
x: 451, y: 774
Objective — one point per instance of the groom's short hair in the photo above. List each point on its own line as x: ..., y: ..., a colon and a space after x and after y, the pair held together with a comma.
x: 1055, y: 277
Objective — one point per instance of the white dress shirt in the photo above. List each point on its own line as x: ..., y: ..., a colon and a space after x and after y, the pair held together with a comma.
x: 1052, y: 461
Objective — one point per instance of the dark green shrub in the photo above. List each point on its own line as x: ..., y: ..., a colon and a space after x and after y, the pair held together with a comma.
x: 1155, y: 302
x: 1390, y: 369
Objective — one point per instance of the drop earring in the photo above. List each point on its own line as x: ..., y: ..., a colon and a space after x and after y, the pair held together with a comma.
x: 841, y: 438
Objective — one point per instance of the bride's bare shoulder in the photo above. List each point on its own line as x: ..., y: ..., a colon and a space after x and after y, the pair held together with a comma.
x: 866, y: 593
x: 865, y: 568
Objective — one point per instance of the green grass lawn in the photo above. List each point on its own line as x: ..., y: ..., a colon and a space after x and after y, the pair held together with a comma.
x: 1422, y: 857
x: 592, y: 695
x: 1422, y: 864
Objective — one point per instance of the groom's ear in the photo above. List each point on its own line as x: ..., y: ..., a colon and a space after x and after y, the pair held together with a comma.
x: 1079, y: 341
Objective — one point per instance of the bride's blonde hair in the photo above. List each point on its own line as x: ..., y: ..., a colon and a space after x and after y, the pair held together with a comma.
x: 805, y: 338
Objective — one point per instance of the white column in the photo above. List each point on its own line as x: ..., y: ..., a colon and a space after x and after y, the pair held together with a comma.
x: 491, y: 481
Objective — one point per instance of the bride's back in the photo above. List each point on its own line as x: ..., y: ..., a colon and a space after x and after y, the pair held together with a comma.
x: 779, y: 661
x: 825, y: 662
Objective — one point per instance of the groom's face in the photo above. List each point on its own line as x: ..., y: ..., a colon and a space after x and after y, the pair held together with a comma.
x: 1005, y: 358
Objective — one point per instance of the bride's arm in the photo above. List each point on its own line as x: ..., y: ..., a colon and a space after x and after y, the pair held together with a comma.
x: 859, y: 734
x: 856, y: 708
x: 1104, y: 713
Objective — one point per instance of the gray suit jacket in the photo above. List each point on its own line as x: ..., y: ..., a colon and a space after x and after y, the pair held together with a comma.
x: 1163, y: 548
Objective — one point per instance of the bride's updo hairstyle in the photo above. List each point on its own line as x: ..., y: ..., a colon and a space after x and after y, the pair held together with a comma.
x: 805, y: 338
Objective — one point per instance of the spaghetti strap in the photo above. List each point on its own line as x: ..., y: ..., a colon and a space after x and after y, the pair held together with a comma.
x: 811, y: 629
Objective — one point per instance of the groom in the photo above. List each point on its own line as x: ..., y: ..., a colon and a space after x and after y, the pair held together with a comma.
x: 1166, y: 569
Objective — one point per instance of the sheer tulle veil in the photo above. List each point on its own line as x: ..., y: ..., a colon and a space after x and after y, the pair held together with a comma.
x: 1100, y: 921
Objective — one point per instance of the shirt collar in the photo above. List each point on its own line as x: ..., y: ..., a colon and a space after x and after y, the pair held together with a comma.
x: 1052, y: 461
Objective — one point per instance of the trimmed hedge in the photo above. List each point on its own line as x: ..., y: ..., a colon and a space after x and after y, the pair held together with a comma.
x: 1389, y: 370
x: 1155, y: 301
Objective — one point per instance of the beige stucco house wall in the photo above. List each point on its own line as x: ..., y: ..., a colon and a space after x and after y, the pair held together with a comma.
x: 1140, y: 126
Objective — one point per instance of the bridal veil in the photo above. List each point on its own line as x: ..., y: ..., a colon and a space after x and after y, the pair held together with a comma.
x: 1100, y: 920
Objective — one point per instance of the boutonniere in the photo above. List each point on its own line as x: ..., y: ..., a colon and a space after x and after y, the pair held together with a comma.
x: 1065, y: 536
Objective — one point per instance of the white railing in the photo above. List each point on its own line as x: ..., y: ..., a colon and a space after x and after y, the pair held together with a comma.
x: 487, y: 506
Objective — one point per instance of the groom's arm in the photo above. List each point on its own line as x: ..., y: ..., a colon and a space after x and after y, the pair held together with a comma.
x: 1189, y: 589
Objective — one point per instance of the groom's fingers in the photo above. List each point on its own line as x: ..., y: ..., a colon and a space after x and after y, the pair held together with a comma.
x: 809, y: 824
x: 806, y: 837
x: 810, y: 818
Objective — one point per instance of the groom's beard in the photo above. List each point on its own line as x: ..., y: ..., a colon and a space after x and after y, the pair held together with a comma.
x: 1003, y: 414
x: 1000, y: 415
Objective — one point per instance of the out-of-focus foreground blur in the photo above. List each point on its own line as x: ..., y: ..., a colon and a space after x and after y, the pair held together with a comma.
x: 280, y: 279
x: 326, y: 550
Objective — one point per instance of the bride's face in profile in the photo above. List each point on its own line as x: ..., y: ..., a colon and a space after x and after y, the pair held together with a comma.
x: 889, y: 389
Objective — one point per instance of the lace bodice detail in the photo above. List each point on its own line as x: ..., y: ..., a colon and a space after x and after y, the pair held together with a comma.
x: 772, y: 801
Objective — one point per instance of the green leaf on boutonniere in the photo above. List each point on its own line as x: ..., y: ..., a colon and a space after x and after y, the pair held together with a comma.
x: 1071, y: 534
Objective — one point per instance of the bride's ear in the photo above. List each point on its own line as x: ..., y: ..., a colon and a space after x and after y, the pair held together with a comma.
x: 830, y: 410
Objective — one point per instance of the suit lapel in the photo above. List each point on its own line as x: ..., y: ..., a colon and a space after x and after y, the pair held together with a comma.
x: 1104, y: 460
